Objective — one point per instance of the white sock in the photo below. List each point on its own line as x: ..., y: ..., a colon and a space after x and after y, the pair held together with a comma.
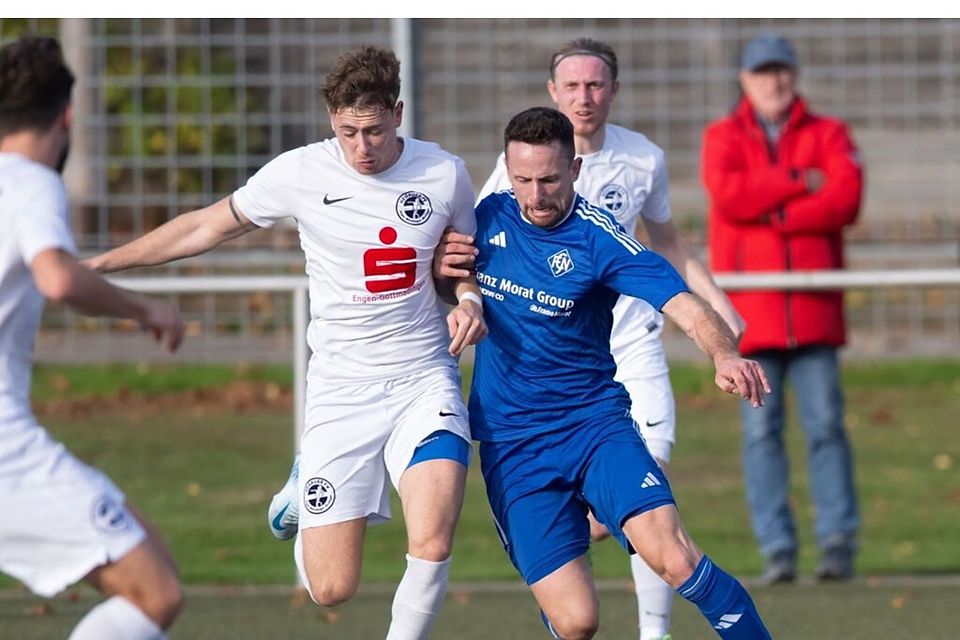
x: 418, y: 599
x: 654, y: 600
x: 116, y: 619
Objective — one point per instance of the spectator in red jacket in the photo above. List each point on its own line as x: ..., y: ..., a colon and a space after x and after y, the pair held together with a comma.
x: 783, y: 182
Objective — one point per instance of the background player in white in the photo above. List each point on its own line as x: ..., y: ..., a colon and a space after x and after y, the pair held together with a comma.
x: 383, y: 395
x: 623, y: 172
x: 63, y: 521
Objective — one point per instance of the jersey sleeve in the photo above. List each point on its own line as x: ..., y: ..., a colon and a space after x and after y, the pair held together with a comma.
x: 656, y: 207
x: 43, y: 219
x: 497, y: 181
x: 266, y: 197
x: 626, y: 266
x: 463, y: 218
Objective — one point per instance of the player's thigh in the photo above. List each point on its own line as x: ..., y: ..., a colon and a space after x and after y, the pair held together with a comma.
x: 539, y: 515
x: 432, y: 495
x: 60, y: 520
x: 146, y: 576
x: 568, y: 597
x: 653, y: 408
x: 621, y: 477
x: 418, y: 407
x: 329, y: 559
x: 660, y: 538
x: 343, y: 476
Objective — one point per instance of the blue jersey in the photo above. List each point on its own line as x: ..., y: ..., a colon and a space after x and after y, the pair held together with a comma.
x: 548, y: 300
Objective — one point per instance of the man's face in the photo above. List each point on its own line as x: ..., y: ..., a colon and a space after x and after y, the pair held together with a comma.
x: 583, y: 90
x: 368, y: 137
x: 770, y: 89
x: 542, y: 176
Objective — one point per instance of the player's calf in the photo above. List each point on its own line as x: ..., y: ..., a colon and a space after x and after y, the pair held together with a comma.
x: 724, y: 603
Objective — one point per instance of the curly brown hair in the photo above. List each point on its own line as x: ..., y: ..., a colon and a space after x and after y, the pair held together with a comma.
x: 361, y: 79
x: 35, y: 84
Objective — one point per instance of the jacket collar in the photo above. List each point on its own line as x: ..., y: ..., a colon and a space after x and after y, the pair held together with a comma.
x: 745, y: 114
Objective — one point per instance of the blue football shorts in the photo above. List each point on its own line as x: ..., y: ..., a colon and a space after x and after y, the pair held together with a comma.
x: 541, y: 488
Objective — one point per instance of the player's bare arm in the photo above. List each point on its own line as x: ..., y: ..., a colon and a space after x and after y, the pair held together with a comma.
x: 61, y: 278
x: 666, y: 240
x: 187, y: 235
x: 734, y: 373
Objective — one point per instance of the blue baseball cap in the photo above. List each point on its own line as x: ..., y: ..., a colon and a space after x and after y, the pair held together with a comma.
x: 768, y: 48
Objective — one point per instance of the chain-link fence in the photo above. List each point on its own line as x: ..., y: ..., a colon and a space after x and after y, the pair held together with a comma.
x: 175, y: 113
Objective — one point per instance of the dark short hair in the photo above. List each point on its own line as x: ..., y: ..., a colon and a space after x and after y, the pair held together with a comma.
x: 540, y: 125
x: 367, y: 77
x: 586, y: 47
x: 35, y: 84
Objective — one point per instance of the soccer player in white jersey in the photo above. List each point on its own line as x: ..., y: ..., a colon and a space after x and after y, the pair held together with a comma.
x: 63, y: 521
x: 625, y: 173
x: 383, y: 394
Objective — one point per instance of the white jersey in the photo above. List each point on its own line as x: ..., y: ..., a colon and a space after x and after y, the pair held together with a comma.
x: 628, y: 178
x: 33, y: 214
x: 369, y: 242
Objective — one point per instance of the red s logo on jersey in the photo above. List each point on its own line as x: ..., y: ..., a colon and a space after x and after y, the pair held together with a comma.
x: 389, y: 269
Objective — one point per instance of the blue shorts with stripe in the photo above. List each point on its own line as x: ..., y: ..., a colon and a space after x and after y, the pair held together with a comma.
x: 541, y: 488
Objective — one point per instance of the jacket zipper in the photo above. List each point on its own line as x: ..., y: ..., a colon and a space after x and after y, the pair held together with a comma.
x: 787, y: 298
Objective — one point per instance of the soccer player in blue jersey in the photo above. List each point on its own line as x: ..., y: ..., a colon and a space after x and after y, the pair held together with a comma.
x: 556, y: 436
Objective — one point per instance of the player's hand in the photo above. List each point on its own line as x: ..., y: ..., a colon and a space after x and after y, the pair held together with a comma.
x: 455, y: 256
x: 466, y: 325
x: 742, y: 377
x: 93, y: 263
x: 162, y: 319
x: 814, y: 179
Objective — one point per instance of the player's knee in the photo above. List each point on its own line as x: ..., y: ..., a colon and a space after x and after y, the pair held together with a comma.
x: 329, y: 593
x: 161, y: 600
x: 576, y: 625
x: 677, y: 565
x: 434, y: 549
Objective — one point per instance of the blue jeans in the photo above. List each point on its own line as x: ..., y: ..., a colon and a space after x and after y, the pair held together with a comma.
x: 815, y: 376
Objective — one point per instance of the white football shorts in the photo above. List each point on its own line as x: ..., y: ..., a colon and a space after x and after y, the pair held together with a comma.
x: 362, y: 438
x: 647, y: 379
x: 61, y: 519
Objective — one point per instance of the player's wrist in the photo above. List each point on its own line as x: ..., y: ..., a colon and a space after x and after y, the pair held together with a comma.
x: 471, y: 296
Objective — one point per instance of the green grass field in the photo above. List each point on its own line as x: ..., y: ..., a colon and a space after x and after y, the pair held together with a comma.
x: 204, y: 461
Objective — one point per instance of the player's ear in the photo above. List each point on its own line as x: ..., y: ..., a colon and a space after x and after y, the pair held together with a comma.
x: 552, y: 90
x: 575, y: 167
x: 398, y: 114
x: 68, y: 116
x: 615, y: 88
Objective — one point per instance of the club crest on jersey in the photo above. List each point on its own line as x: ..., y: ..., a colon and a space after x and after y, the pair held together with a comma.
x: 414, y: 207
x: 560, y: 263
x: 318, y: 495
x: 614, y: 198
x: 109, y: 516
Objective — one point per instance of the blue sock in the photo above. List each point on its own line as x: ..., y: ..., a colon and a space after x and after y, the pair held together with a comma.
x: 724, y: 603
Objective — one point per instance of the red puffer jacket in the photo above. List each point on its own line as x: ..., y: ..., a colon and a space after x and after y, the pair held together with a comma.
x: 763, y: 219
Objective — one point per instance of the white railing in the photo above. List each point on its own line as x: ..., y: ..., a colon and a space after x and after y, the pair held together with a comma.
x: 298, y: 287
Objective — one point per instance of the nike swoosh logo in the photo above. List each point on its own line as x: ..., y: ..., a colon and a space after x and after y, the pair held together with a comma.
x: 653, y: 424
x: 445, y: 414
x: 328, y: 200
x: 277, y: 524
